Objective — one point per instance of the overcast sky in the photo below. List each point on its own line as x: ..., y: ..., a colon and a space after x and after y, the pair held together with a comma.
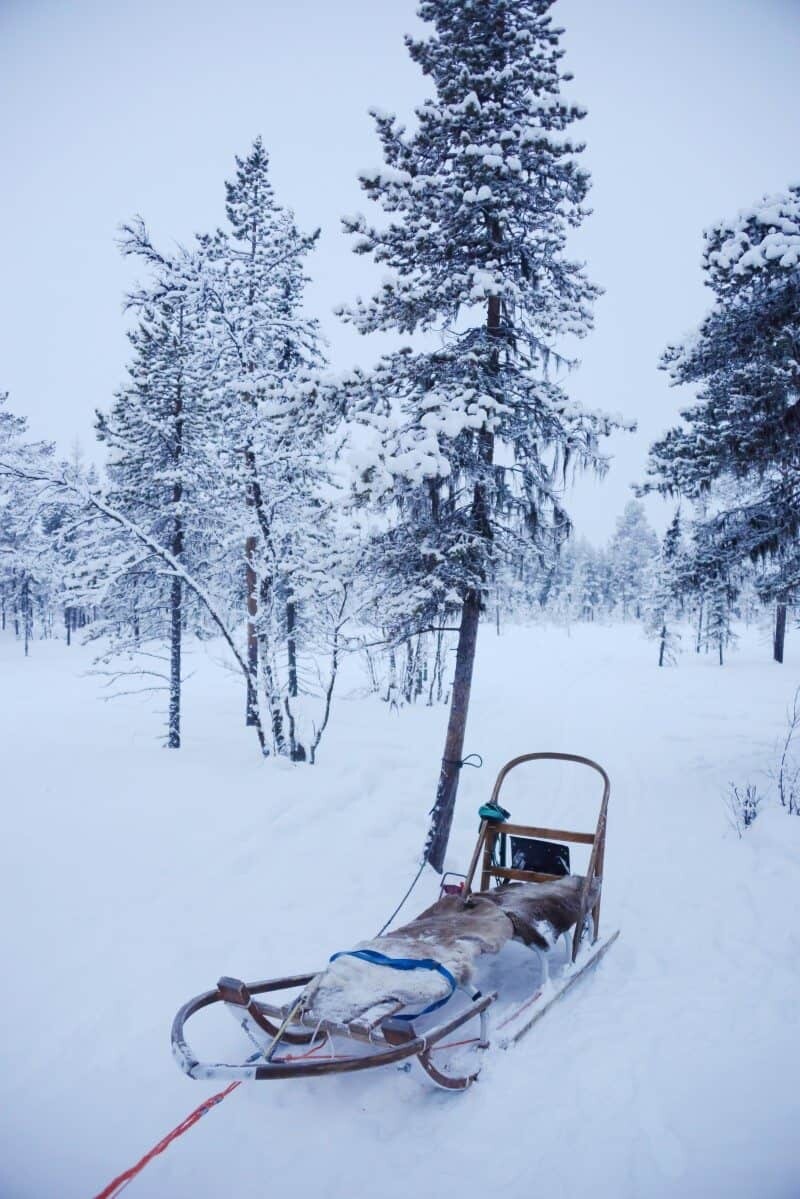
x: 116, y: 107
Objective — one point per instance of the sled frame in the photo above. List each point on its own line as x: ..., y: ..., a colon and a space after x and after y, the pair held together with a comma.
x: 276, y: 1029
x: 490, y: 830
x: 390, y: 1041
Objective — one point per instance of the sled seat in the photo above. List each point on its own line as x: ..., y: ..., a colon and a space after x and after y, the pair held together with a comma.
x: 542, y: 912
x: 454, y: 934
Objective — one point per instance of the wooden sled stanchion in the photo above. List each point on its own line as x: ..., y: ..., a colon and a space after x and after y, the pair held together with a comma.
x: 491, y: 829
x: 535, y: 901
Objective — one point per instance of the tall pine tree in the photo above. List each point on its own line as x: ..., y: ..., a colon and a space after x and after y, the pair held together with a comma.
x: 665, y: 583
x: 161, y: 475
x: 470, y: 441
x: 261, y: 347
x: 633, y: 551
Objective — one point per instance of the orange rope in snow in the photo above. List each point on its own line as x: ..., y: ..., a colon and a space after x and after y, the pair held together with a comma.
x: 121, y: 1181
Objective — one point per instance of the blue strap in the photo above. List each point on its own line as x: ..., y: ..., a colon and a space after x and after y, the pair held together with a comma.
x: 380, y: 959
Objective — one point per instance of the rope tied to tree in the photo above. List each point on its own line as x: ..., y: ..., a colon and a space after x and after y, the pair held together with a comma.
x: 459, y: 762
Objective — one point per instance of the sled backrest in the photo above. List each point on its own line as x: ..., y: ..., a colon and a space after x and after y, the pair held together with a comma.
x: 490, y: 830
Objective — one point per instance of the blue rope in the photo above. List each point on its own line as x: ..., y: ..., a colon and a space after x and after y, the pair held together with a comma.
x: 379, y: 959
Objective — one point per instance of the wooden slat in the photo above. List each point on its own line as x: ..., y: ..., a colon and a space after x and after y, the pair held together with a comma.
x: 487, y: 835
x: 547, y: 834
x: 368, y: 1020
x: 522, y: 876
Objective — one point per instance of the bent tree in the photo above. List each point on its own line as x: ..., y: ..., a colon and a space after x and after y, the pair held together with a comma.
x: 469, y: 439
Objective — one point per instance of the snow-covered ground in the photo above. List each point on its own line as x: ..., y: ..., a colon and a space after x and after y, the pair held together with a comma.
x: 131, y: 877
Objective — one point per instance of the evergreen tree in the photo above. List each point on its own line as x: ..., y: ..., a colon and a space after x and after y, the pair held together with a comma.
x: 29, y: 575
x: 470, y: 441
x: 711, y: 572
x: 265, y: 420
x: 588, y: 585
x: 719, y: 593
x: 263, y: 349
x: 664, y: 592
x: 632, y: 553
x: 160, y: 473
x: 744, y: 428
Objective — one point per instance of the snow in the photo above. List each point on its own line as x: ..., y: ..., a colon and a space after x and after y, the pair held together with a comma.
x: 767, y: 233
x: 384, y: 175
x: 133, y: 876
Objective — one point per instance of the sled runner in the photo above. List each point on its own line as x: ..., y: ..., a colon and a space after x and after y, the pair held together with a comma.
x: 410, y: 993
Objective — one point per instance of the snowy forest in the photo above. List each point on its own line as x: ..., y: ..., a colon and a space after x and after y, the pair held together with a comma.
x: 260, y: 619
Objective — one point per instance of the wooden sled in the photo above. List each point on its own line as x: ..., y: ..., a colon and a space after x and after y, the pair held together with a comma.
x: 301, y: 1039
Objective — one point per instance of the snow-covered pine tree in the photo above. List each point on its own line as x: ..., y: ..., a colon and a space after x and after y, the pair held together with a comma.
x: 262, y: 348
x: 710, y: 571
x: 587, y: 587
x: 744, y: 429
x: 160, y: 472
x: 633, y: 550
x: 472, y: 439
x: 29, y: 577
x: 719, y: 593
x: 665, y: 583
x: 77, y: 614
x: 573, y: 585
x: 88, y: 520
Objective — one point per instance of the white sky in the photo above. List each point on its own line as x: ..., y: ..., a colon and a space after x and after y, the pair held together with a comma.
x: 113, y: 107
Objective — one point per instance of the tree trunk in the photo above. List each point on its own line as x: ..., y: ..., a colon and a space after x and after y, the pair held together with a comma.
x: 444, y: 805
x: 251, y: 587
x: 780, y: 632
x: 264, y: 658
x: 27, y: 621
x: 256, y: 589
x: 391, y: 685
x: 176, y: 590
x: 176, y: 625
x: 442, y: 815
x: 297, y: 751
x: 663, y: 645
x: 436, y: 675
x: 291, y: 647
x: 408, y: 674
x: 421, y: 668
